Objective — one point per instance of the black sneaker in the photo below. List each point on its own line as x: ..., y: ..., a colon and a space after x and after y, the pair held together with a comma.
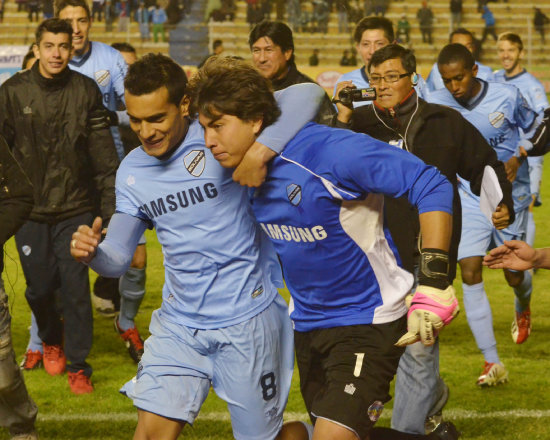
x: 445, y: 431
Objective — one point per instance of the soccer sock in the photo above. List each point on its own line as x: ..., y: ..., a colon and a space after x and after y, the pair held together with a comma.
x: 309, y: 429
x: 132, y: 290
x: 523, y: 292
x: 530, y: 234
x: 35, y: 343
x: 480, y: 319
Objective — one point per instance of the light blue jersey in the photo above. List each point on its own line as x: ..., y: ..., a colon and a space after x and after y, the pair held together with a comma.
x: 499, y: 111
x: 106, y: 66
x: 434, y: 81
x: 218, y: 268
x: 529, y: 86
x: 360, y: 80
x: 322, y: 206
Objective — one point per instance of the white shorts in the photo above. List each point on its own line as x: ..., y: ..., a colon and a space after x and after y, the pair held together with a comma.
x: 249, y: 365
x: 478, y: 233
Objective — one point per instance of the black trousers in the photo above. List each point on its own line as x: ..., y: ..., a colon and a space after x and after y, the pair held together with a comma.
x: 44, y: 250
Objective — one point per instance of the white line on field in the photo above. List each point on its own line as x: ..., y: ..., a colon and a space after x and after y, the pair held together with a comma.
x: 451, y: 414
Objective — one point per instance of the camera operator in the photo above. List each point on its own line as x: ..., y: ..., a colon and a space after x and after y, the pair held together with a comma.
x: 441, y: 137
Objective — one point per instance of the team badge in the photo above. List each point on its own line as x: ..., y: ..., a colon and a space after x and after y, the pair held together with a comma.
x: 26, y: 250
x: 131, y: 180
x: 496, y: 119
x: 194, y: 162
x: 294, y: 193
x: 258, y: 291
x: 375, y: 410
x: 102, y: 77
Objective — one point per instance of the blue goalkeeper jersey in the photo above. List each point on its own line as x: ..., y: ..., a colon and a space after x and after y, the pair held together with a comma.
x: 361, y: 81
x: 499, y: 111
x: 220, y: 269
x: 435, y: 82
x: 107, y: 68
x: 322, y: 206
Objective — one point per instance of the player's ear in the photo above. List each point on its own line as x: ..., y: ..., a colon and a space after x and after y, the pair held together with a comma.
x: 257, y: 126
x: 184, y: 105
x: 475, y: 69
x: 36, y: 51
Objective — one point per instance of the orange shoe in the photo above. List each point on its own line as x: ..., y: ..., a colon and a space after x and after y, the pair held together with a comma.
x: 32, y: 360
x: 54, y: 359
x: 521, y: 326
x: 133, y: 341
x: 80, y: 383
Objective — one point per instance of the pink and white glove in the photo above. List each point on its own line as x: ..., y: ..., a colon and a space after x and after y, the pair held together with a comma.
x: 430, y: 310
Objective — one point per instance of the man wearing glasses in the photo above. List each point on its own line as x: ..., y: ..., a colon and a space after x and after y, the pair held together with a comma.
x: 443, y: 138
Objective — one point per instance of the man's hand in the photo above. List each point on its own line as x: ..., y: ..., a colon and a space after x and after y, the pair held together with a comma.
x: 431, y: 309
x: 85, y: 241
x: 344, y: 112
x: 501, y: 217
x: 252, y: 169
x: 514, y: 254
x: 512, y: 167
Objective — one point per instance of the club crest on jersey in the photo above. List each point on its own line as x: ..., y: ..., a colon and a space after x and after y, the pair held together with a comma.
x: 375, y: 410
x: 294, y: 194
x: 194, y: 162
x: 496, y: 119
x: 102, y: 77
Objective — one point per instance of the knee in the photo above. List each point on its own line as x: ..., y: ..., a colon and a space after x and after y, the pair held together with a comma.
x: 471, y: 275
x: 514, y: 279
x: 139, y: 260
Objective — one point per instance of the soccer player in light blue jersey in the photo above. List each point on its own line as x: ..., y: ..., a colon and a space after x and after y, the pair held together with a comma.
x: 510, y: 52
x: 498, y: 111
x: 322, y: 207
x: 371, y: 34
x: 222, y: 322
x: 466, y: 38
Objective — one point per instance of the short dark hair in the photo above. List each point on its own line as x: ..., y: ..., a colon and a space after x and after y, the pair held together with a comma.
x: 512, y: 38
x: 59, y: 5
x: 279, y: 33
x: 122, y: 46
x: 461, y: 31
x: 216, y: 44
x: 55, y: 26
x: 394, y: 51
x: 370, y: 23
x: 154, y: 71
x: 453, y: 53
x: 28, y: 56
x: 233, y: 87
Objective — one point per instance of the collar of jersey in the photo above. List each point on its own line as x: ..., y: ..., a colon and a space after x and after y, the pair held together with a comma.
x: 80, y: 61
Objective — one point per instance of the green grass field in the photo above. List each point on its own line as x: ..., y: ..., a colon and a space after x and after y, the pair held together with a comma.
x: 519, y: 410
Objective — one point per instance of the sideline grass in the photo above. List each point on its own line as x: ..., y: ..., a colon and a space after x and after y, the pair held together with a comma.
x: 519, y: 410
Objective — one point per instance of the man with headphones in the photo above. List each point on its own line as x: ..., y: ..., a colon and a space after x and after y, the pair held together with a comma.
x: 443, y: 138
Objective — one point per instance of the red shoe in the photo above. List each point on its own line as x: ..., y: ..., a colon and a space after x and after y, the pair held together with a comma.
x: 54, y: 359
x: 521, y: 326
x: 133, y: 341
x: 80, y: 383
x: 32, y: 360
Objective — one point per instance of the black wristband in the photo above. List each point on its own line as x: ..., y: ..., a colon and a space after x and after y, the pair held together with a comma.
x: 434, y: 268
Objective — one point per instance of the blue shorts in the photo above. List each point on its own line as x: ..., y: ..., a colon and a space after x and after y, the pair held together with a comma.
x: 142, y: 239
x: 249, y: 365
x: 478, y: 233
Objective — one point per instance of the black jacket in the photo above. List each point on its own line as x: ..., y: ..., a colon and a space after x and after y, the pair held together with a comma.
x: 441, y: 137
x: 326, y: 111
x: 15, y: 196
x: 58, y: 130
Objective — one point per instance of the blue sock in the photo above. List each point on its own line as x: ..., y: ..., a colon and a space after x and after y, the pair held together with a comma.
x: 530, y: 234
x: 480, y: 319
x: 35, y: 343
x: 132, y: 290
x: 523, y: 292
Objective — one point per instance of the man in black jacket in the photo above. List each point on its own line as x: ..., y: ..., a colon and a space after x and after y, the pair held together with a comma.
x: 272, y: 49
x: 441, y: 137
x: 55, y: 124
x: 17, y: 410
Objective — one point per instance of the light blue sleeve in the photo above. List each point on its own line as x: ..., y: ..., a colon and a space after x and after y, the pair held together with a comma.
x: 299, y: 105
x: 524, y: 116
x: 120, y: 69
x: 114, y: 254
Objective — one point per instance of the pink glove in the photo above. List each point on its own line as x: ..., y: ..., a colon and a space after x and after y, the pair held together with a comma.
x: 430, y: 310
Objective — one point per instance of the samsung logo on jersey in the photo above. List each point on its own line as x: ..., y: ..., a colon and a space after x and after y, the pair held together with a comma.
x: 293, y: 233
x: 182, y: 199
